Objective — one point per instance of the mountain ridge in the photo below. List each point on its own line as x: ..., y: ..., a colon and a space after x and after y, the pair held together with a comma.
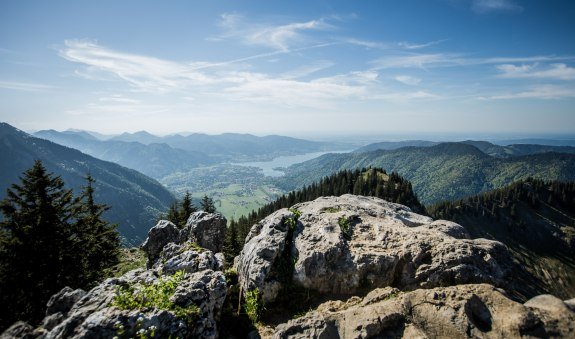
x: 136, y: 199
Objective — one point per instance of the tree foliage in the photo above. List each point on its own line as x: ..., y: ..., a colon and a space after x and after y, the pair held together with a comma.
x: 207, y: 204
x: 49, y: 239
x: 180, y: 211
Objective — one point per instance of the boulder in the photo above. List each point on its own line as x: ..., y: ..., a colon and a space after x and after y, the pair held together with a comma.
x: 63, y: 301
x: 464, y: 311
x: 95, y: 316
x: 163, y: 233
x: 349, y: 244
x: 207, y: 230
x: 186, y: 257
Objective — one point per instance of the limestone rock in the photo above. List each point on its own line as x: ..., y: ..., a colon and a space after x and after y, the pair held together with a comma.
x: 207, y: 230
x: 343, y: 245
x: 464, y: 311
x: 63, y: 301
x: 94, y: 316
x: 19, y: 329
x: 187, y: 257
x: 163, y: 233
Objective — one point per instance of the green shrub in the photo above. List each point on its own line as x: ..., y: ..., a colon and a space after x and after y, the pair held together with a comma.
x: 331, y: 209
x: 343, y: 223
x: 155, y: 295
x: 253, y: 305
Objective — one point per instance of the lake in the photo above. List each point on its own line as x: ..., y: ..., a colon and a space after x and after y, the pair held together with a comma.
x: 268, y: 167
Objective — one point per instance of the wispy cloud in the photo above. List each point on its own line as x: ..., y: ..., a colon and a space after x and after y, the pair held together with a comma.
x: 428, y: 60
x: 142, y: 72
x: 279, y: 37
x: 547, y: 92
x: 486, y: 6
x: 25, y: 86
x: 558, y: 71
x: 309, y: 69
x: 408, y: 80
x: 409, y: 45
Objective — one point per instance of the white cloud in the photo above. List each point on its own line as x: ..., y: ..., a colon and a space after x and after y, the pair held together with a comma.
x: 142, y: 72
x: 485, y: 6
x: 547, y: 92
x: 306, y: 70
x: 24, y: 86
x: 416, y: 61
x: 428, y: 60
x: 278, y: 37
x: 408, y: 80
x: 558, y: 71
x: 408, y: 45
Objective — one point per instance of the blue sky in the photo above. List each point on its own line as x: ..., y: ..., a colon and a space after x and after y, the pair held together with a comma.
x: 289, y: 67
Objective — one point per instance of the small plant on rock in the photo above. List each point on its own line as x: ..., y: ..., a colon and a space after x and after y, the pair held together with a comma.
x: 157, y: 295
x: 343, y: 223
x: 253, y: 305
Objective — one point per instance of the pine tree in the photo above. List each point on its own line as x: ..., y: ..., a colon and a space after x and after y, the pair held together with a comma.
x: 35, y: 232
x: 99, y: 240
x: 187, y: 208
x: 207, y: 204
x: 48, y: 240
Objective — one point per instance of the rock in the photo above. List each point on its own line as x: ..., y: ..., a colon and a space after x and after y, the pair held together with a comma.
x: 163, y: 233
x: 94, y: 316
x: 207, y: 230
x: 187, y: 257
x: 19, y: 329
x: 464, y: 311
x: 347, y: 244
x: 63, y: 301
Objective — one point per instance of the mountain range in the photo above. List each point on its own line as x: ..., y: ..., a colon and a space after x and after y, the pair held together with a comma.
x: 136, y: 199
x: 445, y: 171
x: 161, y: 156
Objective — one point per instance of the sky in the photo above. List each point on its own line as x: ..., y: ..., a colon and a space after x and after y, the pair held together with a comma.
x: 289, y: 67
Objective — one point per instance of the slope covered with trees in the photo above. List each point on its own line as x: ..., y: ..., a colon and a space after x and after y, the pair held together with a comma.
x: 535, y: 219
x: 446, y: 171
x: 136, y: 198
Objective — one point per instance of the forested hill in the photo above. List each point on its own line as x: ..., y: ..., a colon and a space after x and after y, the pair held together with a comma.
x: 447, y: 171
x: 368, y: 182
x: 136, y: 199
x: 535, y: 219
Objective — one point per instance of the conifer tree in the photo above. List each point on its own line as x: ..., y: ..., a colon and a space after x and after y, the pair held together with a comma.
x: 187, y: 208
x: 35, y: 232
x: 49, y: 240
x: 99, y: 239
x: 207, y: 204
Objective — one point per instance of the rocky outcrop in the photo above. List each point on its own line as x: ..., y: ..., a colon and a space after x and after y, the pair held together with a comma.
x: 206, y: 230
x: 463, y: 311
x: 349, y: 244
x: 124, y: 307
x: 96, y: 315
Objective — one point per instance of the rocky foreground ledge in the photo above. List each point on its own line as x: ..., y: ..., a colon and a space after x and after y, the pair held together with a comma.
x: 389, y: 273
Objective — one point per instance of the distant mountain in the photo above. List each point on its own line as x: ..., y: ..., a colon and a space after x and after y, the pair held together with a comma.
x: 136, y: 199
x: 155, y: 160
x: 495, y: 150
x: 535, y: 219
x: 391, y: 145
x: 446, y: 171
x: 515, y: 150
x: 537, y: 141
x: 234, y: 146
x: 142, y: 137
